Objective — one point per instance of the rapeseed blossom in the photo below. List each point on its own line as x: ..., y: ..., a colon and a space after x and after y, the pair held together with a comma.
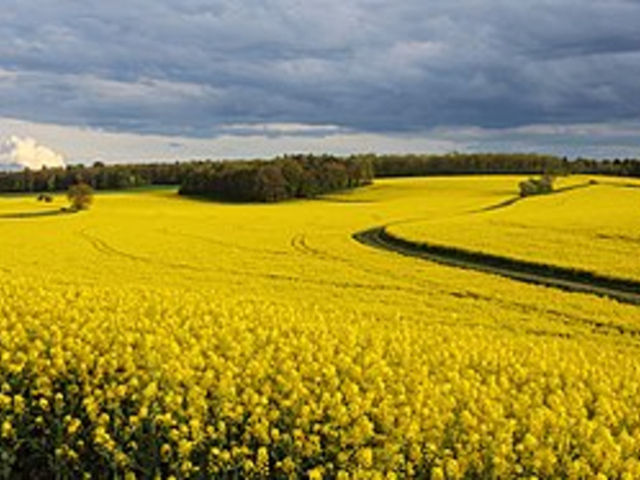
x: 175, y: 339
x: 593, y: 228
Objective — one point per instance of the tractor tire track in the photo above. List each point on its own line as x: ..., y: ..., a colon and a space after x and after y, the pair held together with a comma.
x: 299, y: 242
x: 105, y: 248
x: 221, y: 243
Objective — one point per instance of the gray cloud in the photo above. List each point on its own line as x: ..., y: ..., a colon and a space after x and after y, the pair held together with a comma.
x: 194, y: 67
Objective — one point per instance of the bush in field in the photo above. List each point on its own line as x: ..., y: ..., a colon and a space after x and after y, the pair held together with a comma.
x: 81, y: 196
x: 536, y: 186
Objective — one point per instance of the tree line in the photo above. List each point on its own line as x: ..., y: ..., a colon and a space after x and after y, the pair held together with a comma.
x: 299, y: 176
x: 99, y: 176
x: 467, y: 164
x: 628, y: 167
x: 292, y: 176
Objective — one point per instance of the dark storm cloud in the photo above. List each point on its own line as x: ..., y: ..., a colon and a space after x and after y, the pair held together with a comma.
x: 193, y: 67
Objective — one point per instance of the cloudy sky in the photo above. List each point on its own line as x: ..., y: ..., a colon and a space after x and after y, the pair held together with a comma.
x: 141, y: 80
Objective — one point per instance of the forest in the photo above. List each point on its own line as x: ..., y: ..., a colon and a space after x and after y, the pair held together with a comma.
x: 297, y: 176
x: 301, y: 175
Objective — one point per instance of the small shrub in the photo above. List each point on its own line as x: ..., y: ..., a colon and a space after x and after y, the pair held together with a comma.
x: 81, y: 196
x: 536, y: 186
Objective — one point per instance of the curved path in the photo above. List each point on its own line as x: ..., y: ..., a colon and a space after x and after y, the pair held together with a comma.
x: 627, y: 291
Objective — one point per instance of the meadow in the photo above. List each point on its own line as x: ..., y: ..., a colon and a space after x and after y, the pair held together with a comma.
x: 155, y: 336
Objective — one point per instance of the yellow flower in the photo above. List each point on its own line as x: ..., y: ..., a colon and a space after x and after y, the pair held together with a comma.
x: 18, y: 404
x: 315, y: 474
x: 165, y: 452
x: 73, y: 426
x: 43, y: 403
x: 437, y: 474
x: 6, y: 431
x: 365, y: 457
x: 58, y: 402
x: 262, y: 460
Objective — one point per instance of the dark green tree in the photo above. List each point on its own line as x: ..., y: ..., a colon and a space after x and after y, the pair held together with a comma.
x: 80, y: 195
x: 536, y: 186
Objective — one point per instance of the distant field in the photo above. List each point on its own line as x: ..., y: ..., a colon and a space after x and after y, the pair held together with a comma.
x: 596, y: 228
x: 20, y: 206
x: 155, y: 335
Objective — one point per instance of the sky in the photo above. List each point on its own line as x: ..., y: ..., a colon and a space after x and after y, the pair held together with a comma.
x: 165, y: 80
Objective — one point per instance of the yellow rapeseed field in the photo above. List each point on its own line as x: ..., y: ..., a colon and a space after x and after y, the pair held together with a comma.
x: 159, y: 337
x: 595, y: 228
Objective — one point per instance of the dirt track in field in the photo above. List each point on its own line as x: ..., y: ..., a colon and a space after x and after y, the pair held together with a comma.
x: 623, y: 290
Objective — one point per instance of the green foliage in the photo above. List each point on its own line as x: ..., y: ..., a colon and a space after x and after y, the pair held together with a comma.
x: 81, y: 196
x: 467, y: 164
x: 322, y: 173
x: 298, y: 176
x: 98, y: 176
x: 536, y: 186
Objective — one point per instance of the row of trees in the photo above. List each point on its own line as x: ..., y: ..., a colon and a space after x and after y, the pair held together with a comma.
x: 98, y: 176
x: 297, y: 176
x: 468, y: 164
x: 628, y: 167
